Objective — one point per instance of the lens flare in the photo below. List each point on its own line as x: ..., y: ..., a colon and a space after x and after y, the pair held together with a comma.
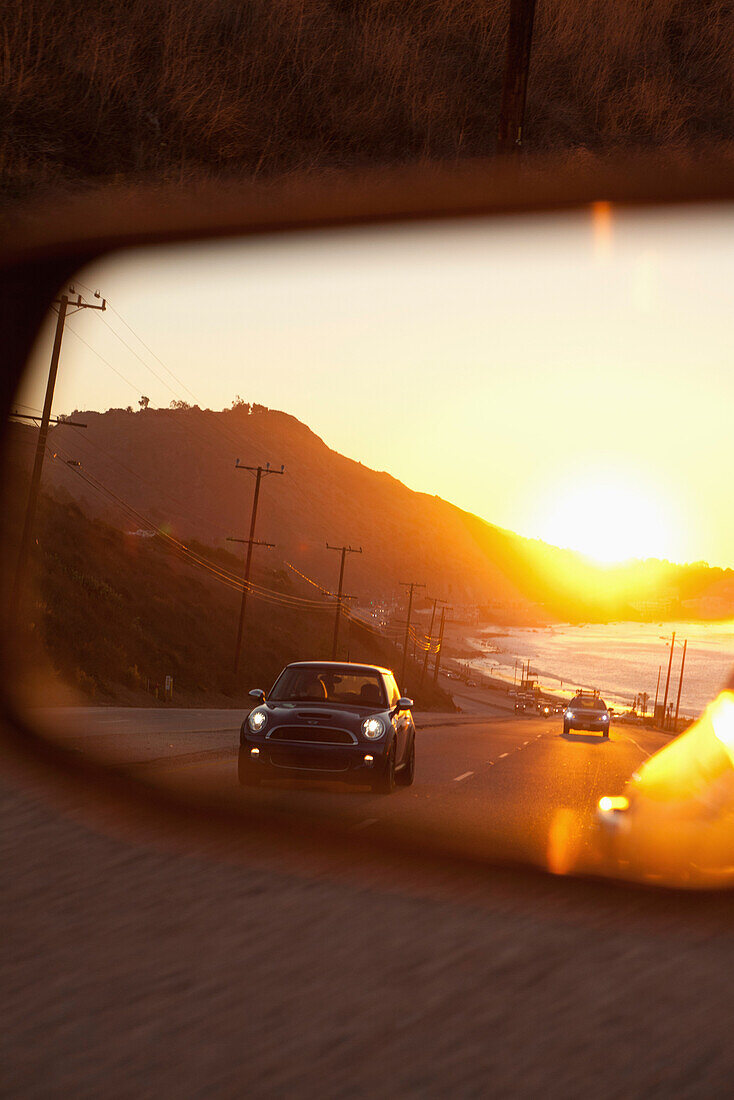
x: 601, y: 222
x: 563, y: 842
x: 608, y: 803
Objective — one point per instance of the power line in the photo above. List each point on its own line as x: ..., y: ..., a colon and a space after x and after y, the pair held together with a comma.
x: 150, y: 351
x: 309, y: 580
x: 220, y: 428
x: 192, y: 430
x: 193, y: 558
x: 52, y: 419
x: 139, y: 358
x: 436, y: 602
x: 184, y: 511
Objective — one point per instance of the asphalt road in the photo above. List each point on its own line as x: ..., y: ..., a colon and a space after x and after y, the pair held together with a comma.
x: 509, y: 787
x: 143, y: 965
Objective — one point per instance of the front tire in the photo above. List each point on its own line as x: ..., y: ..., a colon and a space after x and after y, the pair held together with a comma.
x: 406, y: 775
x: 385, y: 782
x: 565, y: 727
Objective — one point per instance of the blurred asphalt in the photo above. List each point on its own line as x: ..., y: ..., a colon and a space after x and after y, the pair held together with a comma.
x: 135, y: 969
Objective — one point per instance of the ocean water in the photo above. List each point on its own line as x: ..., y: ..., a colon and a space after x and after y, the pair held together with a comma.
x: 620, y: 659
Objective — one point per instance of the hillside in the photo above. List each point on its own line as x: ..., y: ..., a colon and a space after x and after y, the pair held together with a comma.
x: 175, y: 469
x: 112, y: 616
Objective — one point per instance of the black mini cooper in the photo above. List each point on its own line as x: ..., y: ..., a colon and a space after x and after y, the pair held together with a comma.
x: 328, y: 719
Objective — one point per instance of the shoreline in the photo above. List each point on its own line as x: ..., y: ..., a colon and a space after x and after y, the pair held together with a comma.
x: 464, y: 653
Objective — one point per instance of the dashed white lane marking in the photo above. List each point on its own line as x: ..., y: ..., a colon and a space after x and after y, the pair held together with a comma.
x: 458, y: 778
x: 645, y: 754
x: 364, y: 824
x: 502, y: 755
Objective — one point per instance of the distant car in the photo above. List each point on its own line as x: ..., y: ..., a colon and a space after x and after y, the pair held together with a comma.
x: 587, y: 711
x: 524, y: 702
x: 329, y: 719
x: 471, y: 683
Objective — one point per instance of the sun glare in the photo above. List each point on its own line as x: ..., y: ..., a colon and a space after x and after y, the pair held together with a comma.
x: 609, y: 518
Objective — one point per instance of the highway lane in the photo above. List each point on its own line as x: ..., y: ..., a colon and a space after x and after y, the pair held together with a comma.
x: 507, y: 786
x: 479, y: 699
x: 180, y: 971
x: 511, y: 787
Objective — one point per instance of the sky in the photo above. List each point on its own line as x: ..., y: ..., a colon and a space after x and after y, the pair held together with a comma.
x: 567, y: 376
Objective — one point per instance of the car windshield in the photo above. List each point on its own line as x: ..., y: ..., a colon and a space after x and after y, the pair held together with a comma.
x: 588, y: 703
x: 324, y: 684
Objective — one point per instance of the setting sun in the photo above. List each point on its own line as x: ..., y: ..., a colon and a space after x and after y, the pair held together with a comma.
x: 607, y: 516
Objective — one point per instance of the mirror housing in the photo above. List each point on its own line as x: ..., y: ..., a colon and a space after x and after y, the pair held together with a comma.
x: 258, y: 694
x: 403, y: 703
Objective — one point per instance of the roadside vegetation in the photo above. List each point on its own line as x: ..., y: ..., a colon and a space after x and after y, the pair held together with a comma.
x: 113, y: 615
x: 179, y: 90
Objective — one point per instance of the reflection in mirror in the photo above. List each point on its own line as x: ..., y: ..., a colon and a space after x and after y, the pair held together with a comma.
x: 484, y: 464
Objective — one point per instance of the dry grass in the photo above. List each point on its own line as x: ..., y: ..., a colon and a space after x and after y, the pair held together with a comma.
x: 175, y: 89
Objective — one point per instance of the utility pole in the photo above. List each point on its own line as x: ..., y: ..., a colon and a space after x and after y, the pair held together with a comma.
x: 65, y: 304
x: 260, y: 472
x: 411, y: 585
x: 657, y: 691
x: 430, y: 637
x: 680, y: 685
x: 343, y: 550
x: 515, y: 84
x: 667, y: 679
x: 440, y: 643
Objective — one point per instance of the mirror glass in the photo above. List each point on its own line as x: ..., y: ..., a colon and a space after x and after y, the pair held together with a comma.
x: 485, y: 464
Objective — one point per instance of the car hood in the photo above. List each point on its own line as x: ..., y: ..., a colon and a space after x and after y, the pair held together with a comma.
x: 323, y: 712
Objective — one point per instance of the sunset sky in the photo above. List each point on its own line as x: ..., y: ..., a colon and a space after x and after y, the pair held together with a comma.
x: 568, y: 378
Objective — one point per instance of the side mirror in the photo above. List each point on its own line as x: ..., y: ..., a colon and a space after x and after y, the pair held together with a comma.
x: 403, y: 703
x: 259, y: 694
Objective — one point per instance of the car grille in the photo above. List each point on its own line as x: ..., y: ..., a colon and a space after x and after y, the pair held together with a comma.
x: 311, y: 735
x: 312, y: 758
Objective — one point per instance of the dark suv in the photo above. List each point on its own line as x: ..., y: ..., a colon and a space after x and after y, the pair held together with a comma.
x: 587, y: 711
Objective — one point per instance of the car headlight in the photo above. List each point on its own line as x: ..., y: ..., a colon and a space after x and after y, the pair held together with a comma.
x: 373, y: 728
x: 257, y: 721
x: 605, y: 717
x: 569, y: 714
